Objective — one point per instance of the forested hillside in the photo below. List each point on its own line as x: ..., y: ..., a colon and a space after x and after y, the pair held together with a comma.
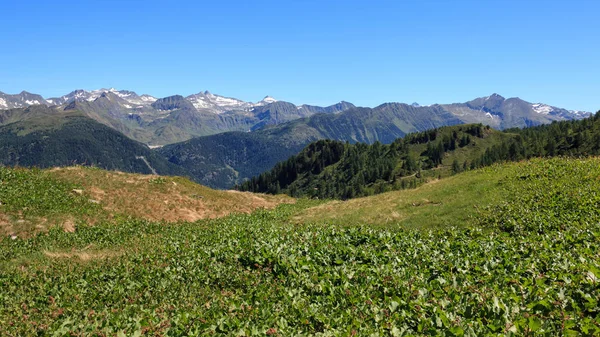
x: 63, y: 139
x: 224, y: 159
x: 219, y: 161
x: 330, y: 169
x: 333, y: 169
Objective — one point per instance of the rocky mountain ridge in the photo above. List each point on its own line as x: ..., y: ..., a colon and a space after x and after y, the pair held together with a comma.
x: 161, y: 121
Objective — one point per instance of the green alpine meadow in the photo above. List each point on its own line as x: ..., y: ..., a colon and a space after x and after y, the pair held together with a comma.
x: 299, y: 168
x: 522, y: 262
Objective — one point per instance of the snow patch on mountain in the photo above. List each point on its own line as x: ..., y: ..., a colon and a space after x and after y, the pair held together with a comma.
x: 3, y: 103
x: 542, y: 108
x: 216, y: 103
x: 122, y: 95
x: 580, y: 114
x: 148, y: 98
x: 267, y: 100
x: 90, y: 96
x: 546, y: 109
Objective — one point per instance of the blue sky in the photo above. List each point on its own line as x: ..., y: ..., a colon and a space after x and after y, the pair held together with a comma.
x: 315, y: 52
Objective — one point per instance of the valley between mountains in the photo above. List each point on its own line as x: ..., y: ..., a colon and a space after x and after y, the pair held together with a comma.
x: 216, y: 140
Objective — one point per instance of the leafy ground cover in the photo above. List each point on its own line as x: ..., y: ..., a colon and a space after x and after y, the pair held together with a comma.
x: 31, y: 200
x: 526, y: 264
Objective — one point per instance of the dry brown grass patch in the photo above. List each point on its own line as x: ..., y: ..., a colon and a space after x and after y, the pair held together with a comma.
x: 5, y: 224
x: 159, y: 198
x: 69, y: 226
x: 83, y: 254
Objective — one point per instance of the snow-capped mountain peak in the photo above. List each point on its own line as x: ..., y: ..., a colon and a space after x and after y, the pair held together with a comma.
x: 268, y: 100
x: 217, y: 103
x: 89, y: 96
x: 204, y: 100
x: 546, y: 109
x: 20, y: 100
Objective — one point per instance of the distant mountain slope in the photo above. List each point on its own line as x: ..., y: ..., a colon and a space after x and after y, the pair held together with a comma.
x: 224, y: 159
x: 165, y: 120
x: 22, y: 114
x: 384, y: 123
x: 80, y: 95
x: 56, y: 138
x: 176, y: 118
x: 501, y: 113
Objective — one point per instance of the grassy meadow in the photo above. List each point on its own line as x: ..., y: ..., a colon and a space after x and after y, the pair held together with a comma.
x: 510, y: 249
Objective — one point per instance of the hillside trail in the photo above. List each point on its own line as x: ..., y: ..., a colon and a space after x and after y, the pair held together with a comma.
x: 147, y: 164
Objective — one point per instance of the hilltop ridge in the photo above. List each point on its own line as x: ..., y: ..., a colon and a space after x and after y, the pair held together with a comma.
x: 33, y: 200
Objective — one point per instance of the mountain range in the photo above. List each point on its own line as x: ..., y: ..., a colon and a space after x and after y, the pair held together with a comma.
x: 160, y: 121
x: 221, y: 141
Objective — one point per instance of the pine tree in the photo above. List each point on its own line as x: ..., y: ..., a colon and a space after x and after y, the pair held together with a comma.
x: 455, y: 166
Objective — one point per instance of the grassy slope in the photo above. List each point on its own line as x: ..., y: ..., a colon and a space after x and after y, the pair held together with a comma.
x: 33, y: 200
x: 470, y: 152
x: 529, y: 265
x: 459, y: 201
x: 451, y: 201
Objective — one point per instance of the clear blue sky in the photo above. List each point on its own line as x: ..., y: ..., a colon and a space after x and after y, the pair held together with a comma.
x: 316, y: 52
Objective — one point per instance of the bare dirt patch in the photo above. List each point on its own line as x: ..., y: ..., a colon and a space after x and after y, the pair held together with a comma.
x: 69, y: 226
x: 83, y: 255
x: 6, y: 227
